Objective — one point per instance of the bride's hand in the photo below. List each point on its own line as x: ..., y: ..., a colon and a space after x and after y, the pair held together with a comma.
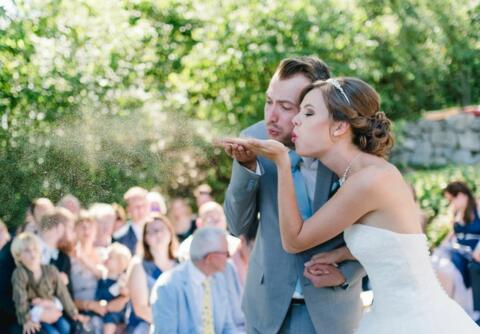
x: 269, y: 148
x: 332, y: 257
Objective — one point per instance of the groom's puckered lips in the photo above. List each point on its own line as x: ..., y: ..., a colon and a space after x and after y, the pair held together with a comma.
x: 273, y: 131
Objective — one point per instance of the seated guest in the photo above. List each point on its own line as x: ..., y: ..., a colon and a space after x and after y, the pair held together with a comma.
x: 4, y: 234
x: 138, y: 209
x: 38, y: 287
x: 8, y: 320
x: 157, y: 202
x: 210, y: 214
x: 159, y: 246
x: 7, y: 270
x: 53, y: 229
x: 120, y: 217
x: 241, y: 255
x: 35, y: 212
x: 235, y: 275
x: 451, y: 259
x: 87, y: 269
x: 71, y: 203
x: 181, y: 216
x: 474, y: 267
x: 87, y: 263
x: 108, y: 288
x: 105, y: 216
x: 66, y: 244
x: 190, y: 298
x: 203, y: 194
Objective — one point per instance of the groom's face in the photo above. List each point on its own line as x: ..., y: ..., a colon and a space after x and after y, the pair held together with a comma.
x: 281, y: 106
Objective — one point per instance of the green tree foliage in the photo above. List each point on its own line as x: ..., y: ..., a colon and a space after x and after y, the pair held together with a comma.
x: 96, y: 96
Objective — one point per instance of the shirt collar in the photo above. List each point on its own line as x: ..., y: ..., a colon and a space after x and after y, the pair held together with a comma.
x: 309, y: 163
x: 137, y: 230
x: 197, y: 276
x: 48, y: 253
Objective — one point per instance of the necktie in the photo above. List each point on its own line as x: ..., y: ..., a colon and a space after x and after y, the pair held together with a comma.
x: 335, y: 186
x: 49, y: 254
x: 303, y: 201
x: 301, y: 192
x: 207, y: 317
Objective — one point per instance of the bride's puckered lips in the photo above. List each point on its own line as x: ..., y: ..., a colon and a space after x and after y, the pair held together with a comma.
x: 294, y: 137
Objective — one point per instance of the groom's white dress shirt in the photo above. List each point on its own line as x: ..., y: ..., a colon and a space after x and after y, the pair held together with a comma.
x: 308, y: 168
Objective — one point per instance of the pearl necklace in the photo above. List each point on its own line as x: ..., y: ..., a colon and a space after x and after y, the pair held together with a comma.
x: 342, y: 180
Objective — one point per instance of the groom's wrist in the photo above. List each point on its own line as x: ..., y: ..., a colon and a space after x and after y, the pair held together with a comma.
x: 343, y: 285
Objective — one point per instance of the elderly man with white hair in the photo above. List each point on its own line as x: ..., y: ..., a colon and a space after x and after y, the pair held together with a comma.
x: 192, y: 298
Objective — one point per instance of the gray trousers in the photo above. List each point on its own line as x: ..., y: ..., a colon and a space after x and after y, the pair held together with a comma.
x: 296, y: 321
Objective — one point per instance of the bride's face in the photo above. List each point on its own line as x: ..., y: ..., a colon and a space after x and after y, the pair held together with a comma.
x: 312, y: 125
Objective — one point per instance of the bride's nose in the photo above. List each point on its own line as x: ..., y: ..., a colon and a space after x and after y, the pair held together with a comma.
x: 296, y: 120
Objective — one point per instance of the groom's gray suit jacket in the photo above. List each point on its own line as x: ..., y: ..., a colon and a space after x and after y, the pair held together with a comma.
x: 272, y: 272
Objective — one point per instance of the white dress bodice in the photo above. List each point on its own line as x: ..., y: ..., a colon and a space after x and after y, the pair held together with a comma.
x: 408, y: 297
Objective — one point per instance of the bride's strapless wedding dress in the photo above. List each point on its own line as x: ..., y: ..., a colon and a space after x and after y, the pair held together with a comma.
x: 407, y: 295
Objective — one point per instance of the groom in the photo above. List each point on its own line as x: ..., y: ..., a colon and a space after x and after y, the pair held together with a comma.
x: 278, y: 295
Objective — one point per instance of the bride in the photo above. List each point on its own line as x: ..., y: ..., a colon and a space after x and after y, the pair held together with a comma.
x: 340, y: 123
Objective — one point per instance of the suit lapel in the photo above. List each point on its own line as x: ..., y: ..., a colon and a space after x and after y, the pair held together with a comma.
x: 324, y: 181
x: 191, y: 302
x: 215, y: 303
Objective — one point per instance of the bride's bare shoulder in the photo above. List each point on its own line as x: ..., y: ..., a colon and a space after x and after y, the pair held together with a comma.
x: 376, y: 176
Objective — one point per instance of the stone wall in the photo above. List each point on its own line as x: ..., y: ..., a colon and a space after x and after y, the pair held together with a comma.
x: 428, y: 143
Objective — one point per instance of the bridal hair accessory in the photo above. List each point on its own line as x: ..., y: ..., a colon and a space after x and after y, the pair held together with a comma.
x: 337, y: 85
x: 341, y: 181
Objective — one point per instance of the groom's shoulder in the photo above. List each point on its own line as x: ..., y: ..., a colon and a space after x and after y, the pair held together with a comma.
x: 257, y: 130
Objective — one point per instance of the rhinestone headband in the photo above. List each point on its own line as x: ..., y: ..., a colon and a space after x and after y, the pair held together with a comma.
x: 337, y: 85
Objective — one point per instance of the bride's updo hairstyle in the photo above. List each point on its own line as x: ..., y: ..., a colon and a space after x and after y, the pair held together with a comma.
x: 354, y: 101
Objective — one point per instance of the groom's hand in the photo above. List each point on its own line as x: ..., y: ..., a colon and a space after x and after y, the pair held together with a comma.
x: 240, y: 153
x: 324, y: 275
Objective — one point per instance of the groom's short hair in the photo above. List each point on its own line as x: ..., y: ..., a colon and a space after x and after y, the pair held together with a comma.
x: 310, y: 66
